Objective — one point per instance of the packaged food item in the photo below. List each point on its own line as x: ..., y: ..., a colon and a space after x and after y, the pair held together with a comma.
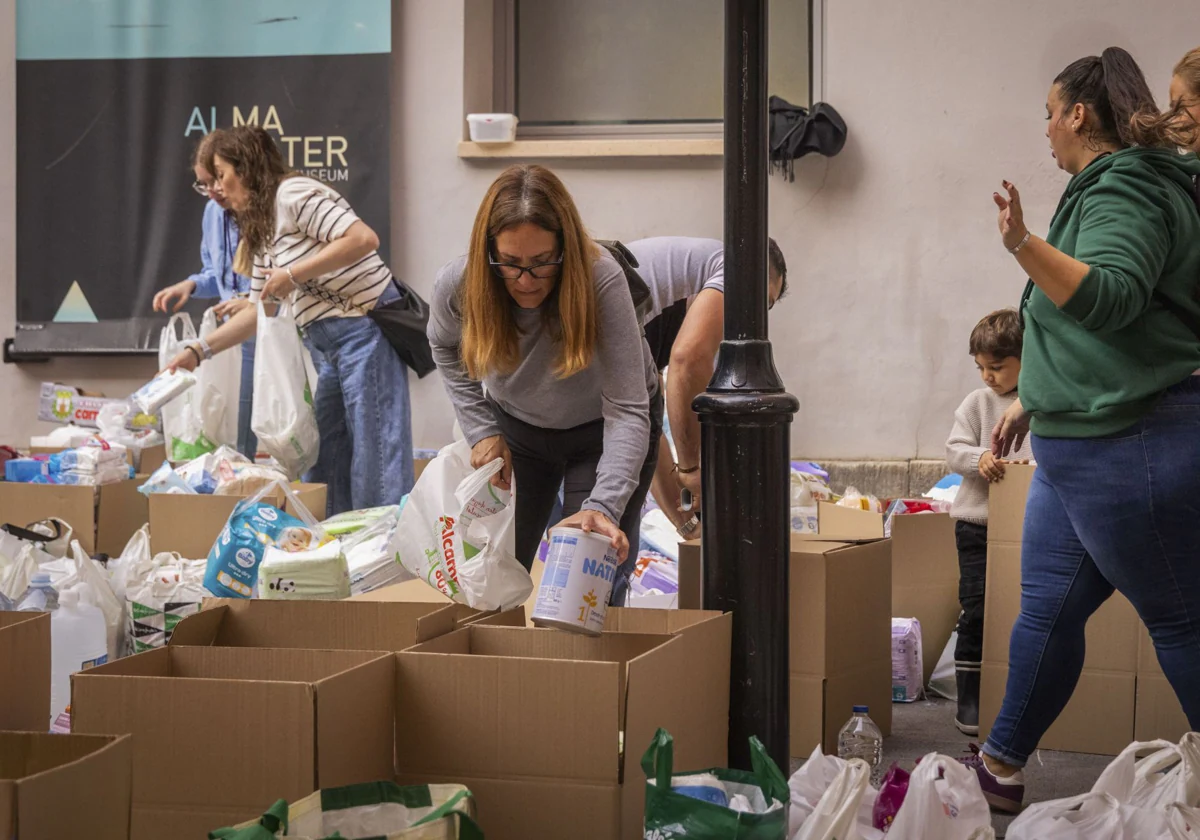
x: 242, y: 478
x: 255, y: 525
x: 163, y: 388
x: 319, y: 574
x: 166, y: 480
x: 862, y: 501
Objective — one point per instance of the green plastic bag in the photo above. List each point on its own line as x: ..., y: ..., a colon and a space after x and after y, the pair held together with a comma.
x: 673, y: 816
x: 371, y: 811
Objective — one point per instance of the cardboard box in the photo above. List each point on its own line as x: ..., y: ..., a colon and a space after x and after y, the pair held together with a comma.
x: 531, y: 721
x: 58, y: 786
x: 840, y: 637
x: 839, y: 632
x: 1157, y: 711
x: 24, y: 672
x: 221, y: 733
x: 1107, y: 687
x: 104, y: 518
x: 191, y: 524
x: 314, y: 625
x: 924, y: 568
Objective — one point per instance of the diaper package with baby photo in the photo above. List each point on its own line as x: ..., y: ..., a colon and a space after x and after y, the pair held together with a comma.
x: 254, y: 526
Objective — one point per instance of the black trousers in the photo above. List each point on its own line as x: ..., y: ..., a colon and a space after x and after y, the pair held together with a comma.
x: 545, y: 459
x: 972, y: 578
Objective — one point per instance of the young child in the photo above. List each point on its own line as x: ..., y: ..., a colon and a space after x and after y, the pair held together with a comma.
x: 996, y: 346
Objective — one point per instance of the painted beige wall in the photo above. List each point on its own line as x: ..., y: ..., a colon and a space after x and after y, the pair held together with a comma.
x: 892, y: 245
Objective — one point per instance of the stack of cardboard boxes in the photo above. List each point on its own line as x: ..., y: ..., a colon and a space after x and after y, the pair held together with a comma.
x: 1121, y: 694
x: 52, y: 786
x: 839, y: 632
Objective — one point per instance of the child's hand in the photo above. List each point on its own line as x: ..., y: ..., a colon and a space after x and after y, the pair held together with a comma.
x: 990, y: 467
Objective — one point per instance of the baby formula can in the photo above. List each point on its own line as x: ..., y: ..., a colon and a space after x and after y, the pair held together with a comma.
x: 578, y: 580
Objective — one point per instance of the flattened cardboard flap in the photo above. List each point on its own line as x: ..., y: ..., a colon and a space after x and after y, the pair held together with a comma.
x: 36, y: 769
x: 321, y: 625
x: 24, y: 671
x: 848, y: 522
x: 1006, y: 504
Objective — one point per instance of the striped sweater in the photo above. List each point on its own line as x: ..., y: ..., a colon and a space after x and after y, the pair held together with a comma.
x: 310, y: 215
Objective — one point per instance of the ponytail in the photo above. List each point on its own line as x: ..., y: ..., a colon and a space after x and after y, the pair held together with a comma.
x: 1114, y: 89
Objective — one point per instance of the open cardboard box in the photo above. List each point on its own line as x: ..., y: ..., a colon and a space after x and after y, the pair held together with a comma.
x: 532, y: 720
x: 104, y: 517
x: 190, y: 524
x: 323, y: 625
x: 221, y: 733
x: 58, y: 786
x: 1106, y: 689
x: 924, y: 568
x: 24, y: 672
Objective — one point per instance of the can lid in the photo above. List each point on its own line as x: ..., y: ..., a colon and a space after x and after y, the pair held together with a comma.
x: 860, y: 710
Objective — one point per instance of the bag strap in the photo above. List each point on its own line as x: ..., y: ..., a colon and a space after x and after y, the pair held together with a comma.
x: 638, y: 289
x: 770, y: 777
x: 659, y: 759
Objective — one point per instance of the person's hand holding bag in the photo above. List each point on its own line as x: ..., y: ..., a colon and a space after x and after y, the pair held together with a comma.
x: 591, y: 521
x: 488, y: 450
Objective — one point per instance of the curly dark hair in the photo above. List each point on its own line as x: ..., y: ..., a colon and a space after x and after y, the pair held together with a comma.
x: 257, y: 160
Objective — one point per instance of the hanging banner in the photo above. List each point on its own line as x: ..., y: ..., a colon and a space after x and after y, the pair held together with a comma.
x: 113, y: 97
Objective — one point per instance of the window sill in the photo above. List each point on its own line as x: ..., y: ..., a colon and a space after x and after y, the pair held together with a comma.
x: 689, y: 147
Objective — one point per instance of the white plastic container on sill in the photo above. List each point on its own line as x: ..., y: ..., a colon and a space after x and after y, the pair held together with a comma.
x: 492, y: 128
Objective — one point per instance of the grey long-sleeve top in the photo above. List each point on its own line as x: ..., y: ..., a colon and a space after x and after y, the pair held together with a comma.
x: 615, y: 387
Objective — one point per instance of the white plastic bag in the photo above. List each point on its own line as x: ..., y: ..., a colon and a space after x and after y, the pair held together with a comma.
x: 95, y: 588
x: 943, y: 682
x: 1163, y: 775
x: 944, y: 802
x: 456, y: 533
x: 134, y: 562
x: 157, y: 600
x: 1092, y: 816
x: 283, y: 417
x: 832, y: 799
x: 219, y: 388
x: 180, y: 418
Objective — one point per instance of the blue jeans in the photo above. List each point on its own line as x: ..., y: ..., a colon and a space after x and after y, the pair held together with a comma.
x: 247, y: 443
x: 363, y: 412
x: 1118, y: 512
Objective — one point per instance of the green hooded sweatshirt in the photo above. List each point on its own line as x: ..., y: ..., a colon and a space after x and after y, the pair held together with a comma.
x: 1098, y: 365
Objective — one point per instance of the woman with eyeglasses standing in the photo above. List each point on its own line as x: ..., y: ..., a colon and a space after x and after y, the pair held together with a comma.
x: 307, y: 245
x: 217, y: 279
x: 542, y: 317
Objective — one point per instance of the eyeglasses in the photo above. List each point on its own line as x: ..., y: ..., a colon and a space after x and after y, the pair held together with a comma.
x: 541, y: 271
x: 205, y: 189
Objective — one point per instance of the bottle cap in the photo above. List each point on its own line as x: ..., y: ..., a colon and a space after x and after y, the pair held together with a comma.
x: 860, y: 710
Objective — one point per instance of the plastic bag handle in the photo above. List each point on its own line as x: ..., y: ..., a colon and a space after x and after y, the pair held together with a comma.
x: 189, y: 329
x: 770, y: 777
x: 301, y: 512
x: 659, y: 759
x: 274, y: 820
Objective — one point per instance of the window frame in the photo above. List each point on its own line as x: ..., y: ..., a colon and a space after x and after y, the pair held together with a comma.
x: 489, y: 82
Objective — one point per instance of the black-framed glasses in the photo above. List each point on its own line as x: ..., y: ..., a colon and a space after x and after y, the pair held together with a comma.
x: 512, y: 271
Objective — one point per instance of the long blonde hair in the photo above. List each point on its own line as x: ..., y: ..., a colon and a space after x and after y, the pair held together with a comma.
x: 490, y: 340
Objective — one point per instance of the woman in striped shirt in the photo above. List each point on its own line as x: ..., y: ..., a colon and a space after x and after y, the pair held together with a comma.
x: 306, y: 244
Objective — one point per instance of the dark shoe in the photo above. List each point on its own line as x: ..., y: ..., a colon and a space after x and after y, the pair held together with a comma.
x: 1003, y: 793
x: 966, y: 674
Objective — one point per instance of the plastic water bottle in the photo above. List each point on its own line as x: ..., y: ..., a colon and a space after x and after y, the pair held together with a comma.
x: 41, y: 596
x: 78, y: 641
x: 861, y: 738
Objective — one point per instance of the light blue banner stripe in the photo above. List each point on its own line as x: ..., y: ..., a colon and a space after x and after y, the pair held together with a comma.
x: 116, y: 29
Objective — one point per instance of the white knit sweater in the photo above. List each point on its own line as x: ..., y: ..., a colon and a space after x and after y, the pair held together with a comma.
x: 969, y: 439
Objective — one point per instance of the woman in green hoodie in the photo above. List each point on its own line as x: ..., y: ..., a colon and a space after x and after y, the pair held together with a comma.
x: 1112, y: 340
